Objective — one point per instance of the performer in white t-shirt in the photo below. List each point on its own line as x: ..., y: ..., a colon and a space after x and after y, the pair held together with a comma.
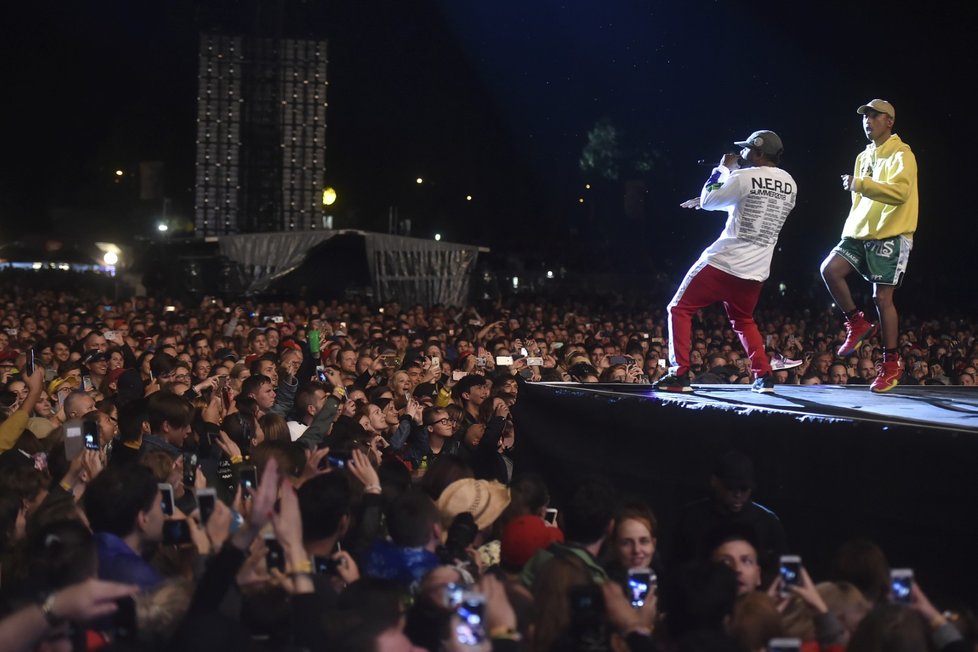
x: 757, y: 196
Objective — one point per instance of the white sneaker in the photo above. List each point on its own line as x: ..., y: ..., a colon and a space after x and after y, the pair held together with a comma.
x: 779, y: 362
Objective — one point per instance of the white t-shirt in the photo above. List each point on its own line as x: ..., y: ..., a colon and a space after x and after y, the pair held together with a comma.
x: 757, y: 201
x: 296, y: 429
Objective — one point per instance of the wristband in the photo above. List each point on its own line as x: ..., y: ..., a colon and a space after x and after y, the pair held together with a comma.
x: 505, y: 633
x: 236, y: 459
x: 372, y: 489
x: 304, y: 567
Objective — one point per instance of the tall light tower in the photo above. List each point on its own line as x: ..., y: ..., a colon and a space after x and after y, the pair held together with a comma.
x: 261, y: 134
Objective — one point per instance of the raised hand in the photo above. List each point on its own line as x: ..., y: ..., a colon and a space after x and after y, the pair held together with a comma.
x: 361, y: 469
x: 226, y: 444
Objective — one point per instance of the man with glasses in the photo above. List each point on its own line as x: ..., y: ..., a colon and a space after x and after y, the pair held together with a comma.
x: 181, y: 374
x: 438, y: 429
x: 757, y: 196
x: 877, y: 237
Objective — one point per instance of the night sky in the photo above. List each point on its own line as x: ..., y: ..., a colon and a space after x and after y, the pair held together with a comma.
x: 495, y: 99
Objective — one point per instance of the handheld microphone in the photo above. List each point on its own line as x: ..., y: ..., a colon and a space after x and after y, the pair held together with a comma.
x: 707, y: 164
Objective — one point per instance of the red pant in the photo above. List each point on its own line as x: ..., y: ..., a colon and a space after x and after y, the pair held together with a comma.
x: 704, y: 285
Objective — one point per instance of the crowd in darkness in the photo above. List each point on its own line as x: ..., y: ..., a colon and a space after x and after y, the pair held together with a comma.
x: 335, y: 476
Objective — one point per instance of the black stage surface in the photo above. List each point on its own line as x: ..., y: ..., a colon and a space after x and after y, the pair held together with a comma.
x: 835, y: 463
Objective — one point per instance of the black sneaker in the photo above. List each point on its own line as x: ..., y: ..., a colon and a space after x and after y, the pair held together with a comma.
x: 673, y: 383
x: 763, y: 384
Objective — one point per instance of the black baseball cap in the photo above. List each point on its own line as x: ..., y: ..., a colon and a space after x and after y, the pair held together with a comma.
x: 94, y: 355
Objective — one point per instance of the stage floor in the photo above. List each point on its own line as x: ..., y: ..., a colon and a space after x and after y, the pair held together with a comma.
x: 928, y: 406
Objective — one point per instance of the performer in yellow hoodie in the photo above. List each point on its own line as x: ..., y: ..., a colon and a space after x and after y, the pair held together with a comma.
x: 877, y: 236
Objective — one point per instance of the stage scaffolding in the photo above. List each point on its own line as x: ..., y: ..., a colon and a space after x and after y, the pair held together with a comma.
x: 261, y: 133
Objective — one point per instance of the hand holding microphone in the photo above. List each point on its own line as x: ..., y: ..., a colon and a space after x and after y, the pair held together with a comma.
x: 730, y: 160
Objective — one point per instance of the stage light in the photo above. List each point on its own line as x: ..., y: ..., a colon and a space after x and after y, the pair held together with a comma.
x: 468, y: 198
x: 550, y: 274
x: 119, y: 173
x: 438, y: 236
x: 110, y: 258
x: 329, y: 197
x: 419, y: 181
x: 587, y: 186
x: 580, y: 200
x: 162, y: 228
x: 516, y: 282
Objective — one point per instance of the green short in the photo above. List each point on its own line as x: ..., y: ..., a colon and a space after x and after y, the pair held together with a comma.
x: 878, y: 261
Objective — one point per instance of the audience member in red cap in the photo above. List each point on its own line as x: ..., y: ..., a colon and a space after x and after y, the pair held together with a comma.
x: 291, y: 344
x: 522, y: 537
x: 110, y: 385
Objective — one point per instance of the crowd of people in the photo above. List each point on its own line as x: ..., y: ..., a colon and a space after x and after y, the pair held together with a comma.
x: 332, y: 476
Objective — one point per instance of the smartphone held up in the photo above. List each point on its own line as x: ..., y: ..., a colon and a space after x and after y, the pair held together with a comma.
x: 471, y: 629
x: 206, y: 503
x: 248, y: 479
x: 901, y: 585
x: 176, y: 532
x: 789, y: 569
x: 641, y: 582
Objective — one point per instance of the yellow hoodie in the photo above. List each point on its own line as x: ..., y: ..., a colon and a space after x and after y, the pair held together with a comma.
x: 884, y: 197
